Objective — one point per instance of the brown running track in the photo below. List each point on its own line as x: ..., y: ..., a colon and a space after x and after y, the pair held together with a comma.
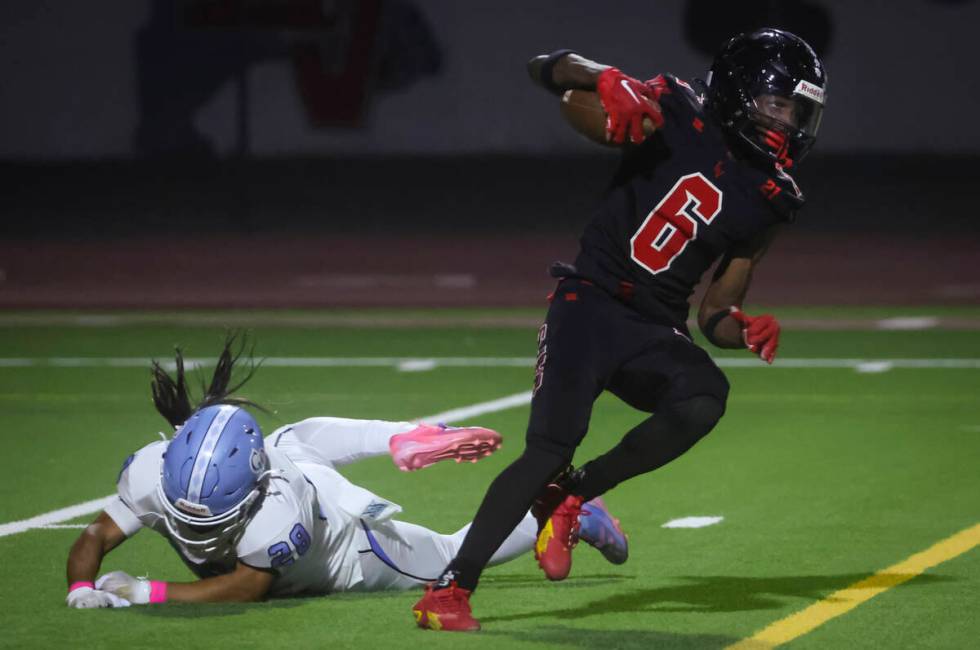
x: 322, y: 271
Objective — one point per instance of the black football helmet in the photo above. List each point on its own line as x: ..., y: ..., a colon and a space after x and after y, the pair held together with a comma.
x: 768, y: 90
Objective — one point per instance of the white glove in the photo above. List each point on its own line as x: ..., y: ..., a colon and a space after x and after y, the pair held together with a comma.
x: 88, y: 598
x: 125, y: 586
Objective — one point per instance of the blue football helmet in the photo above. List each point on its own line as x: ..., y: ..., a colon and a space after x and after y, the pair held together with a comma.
x: 214, y: 471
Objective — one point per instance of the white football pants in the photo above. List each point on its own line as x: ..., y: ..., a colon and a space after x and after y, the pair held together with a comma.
x: 405, y: 555
x: 418, y: 555
x: 336, y: 442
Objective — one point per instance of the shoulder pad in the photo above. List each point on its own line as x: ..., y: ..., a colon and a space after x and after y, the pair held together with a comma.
x: 141, y: 469
x: 678, y: 85
x: 782, y: 193
x: 139, y: 477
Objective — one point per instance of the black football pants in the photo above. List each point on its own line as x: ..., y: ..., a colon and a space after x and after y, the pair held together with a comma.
x: 592, y: 342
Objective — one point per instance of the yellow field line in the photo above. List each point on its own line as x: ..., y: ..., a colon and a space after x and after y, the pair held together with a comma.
x: 841, y: 602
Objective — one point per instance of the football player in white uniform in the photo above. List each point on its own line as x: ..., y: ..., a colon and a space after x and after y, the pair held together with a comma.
x: 256, y: 517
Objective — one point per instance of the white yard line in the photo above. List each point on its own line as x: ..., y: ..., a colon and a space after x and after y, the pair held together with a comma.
x: 51, y: 519
x: 429, y: 363
x: 522, y: 319
x: 415, y: 363
x: 55, y: 516
x: 855, y: 364
x: 63, y: 526
x: 501, y: 404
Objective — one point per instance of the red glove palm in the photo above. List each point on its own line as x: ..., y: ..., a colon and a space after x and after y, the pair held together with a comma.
x: 761, y: 333
x: 627, y: 101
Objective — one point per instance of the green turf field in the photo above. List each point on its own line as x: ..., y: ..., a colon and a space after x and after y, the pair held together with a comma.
x: 824, y: 476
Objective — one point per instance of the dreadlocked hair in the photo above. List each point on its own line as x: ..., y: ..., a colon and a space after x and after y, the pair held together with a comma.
x: 172, y: 397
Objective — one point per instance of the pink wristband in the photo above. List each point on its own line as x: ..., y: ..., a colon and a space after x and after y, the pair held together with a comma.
x: 80, y: 584
x: 158, y: 591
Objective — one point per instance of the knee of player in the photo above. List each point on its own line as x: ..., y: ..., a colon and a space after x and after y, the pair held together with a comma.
x: 545, y: 451
x: 698, y: 415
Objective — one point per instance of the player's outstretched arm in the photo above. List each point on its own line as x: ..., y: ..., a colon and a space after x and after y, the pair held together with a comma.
x: 84, y: 560
x: 244, y: 584
x: 720, y: 317
x: 565, y: 70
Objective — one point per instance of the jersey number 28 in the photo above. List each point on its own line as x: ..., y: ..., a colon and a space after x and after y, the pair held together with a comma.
x: 281, y: 554
x: 668, y: 228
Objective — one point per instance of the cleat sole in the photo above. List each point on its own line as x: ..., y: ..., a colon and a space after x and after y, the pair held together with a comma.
x: 466, y: 451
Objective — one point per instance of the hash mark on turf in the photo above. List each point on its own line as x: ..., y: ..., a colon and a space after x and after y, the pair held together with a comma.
x: 872, y: 367
x: 693, y: 522
x: 908, y: 323
x: 417, y: 365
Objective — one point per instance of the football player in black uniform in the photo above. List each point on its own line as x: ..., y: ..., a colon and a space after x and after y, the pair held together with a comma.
x: 712, y: 182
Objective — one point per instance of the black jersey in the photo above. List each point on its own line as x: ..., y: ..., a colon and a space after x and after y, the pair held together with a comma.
x: 677, y: 203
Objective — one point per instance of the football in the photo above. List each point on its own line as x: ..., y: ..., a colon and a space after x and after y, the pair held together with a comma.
x: 583, y: 111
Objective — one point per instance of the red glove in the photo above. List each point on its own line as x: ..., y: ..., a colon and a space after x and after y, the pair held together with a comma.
x: 761, y: 333
x: 627, y: 101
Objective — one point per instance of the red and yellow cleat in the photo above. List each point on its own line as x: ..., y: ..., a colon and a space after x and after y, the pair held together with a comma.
x: 446, y: 609
x: 557, y: 537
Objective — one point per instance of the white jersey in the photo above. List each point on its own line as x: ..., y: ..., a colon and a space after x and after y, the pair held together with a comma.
x: 305, y: 530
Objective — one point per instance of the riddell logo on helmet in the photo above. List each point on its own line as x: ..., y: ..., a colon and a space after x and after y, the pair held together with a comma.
x: 810, y: 90
x: 196, y: 509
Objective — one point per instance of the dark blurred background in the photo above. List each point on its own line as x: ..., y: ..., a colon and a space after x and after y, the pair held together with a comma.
x: 392, y: 152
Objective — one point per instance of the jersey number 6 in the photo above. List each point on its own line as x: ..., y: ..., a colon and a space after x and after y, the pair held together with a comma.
x: 668, y: 228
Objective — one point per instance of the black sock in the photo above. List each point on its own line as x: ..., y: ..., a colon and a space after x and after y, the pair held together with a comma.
x: 454, y: 573
x: 505, y: 504
x: 651, y: 444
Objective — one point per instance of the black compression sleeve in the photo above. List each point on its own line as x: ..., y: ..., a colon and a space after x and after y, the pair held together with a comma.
x: 545, y: 67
